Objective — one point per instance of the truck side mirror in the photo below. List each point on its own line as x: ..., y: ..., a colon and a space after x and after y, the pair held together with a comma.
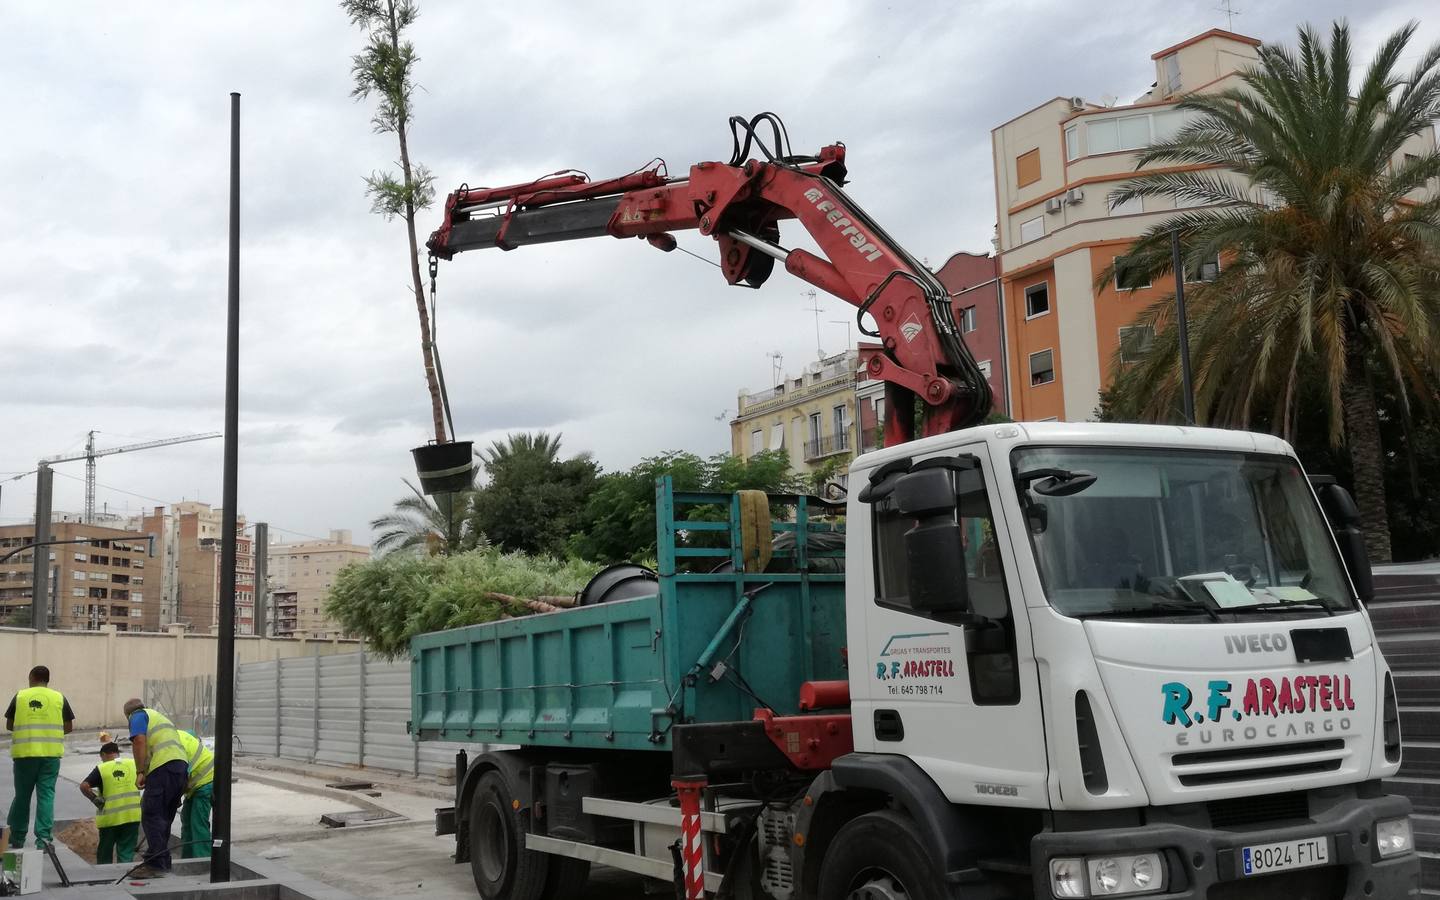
x: 1344, y: 518
x: 934, y: 548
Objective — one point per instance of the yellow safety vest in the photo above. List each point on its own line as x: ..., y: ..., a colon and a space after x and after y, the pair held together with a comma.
x: 162, y: 741
x: 118, y: 790
x: 201, y: 761
x: 39, y: 724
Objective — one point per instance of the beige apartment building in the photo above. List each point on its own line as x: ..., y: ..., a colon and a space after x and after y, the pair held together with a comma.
x: 1055, y: 167
x: 301, y: 575
x: 810, y: 416
x: 101, y: 582
x: 188, y: 557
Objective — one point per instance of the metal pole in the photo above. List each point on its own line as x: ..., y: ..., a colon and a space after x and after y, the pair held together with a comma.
x: 262, y: 578
x: 225, y: 661
x: 1183, y: 328
x: 40, y: 558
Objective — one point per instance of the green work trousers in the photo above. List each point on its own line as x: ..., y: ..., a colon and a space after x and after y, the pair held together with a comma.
x: 195, y: 824
x: 117, y: 843
x: 34, y: 775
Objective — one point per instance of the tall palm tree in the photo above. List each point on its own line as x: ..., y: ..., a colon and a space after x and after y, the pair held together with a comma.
x: 418, y: 523
x: 540, y: 445
x: 1331, y: 275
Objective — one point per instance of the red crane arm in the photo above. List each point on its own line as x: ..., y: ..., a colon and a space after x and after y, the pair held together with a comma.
x: 740, y: 204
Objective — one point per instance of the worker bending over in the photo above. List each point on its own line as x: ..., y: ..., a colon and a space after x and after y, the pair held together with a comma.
x: 119, y: 796
x: 163, y: 775
x: 39, y: 719
x: 199, y: 791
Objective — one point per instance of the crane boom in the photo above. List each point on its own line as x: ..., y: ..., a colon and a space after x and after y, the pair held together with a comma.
x: 740, y: 204
x: 91, y: 454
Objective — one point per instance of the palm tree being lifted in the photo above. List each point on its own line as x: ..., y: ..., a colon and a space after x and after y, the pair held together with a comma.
x: 1331, y: 272
x: 436, y: 527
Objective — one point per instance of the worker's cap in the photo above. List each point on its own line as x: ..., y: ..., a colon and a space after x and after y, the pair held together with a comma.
x: 110, y: 747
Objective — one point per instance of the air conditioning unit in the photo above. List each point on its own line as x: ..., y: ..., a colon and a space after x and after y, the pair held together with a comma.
x: 1054, y: 204
x: 1074, y: 195
x: 1077, y: 103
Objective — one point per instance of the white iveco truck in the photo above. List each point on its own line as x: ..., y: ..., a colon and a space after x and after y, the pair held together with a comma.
x: 1068, y: 661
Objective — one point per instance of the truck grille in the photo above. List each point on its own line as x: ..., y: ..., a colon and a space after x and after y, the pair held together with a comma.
x: 1250, y: 810
x: 1239, y: 764
x: 1327, y: 883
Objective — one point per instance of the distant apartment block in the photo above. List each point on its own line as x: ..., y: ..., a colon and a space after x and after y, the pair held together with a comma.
x: 103, y: 582
x: 810, y: 416
x: 1055, y: 167
x: 188, y: 554
x: 301, y: 575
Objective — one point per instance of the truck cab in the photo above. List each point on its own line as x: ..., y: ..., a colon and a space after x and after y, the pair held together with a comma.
x: 1150, y: 637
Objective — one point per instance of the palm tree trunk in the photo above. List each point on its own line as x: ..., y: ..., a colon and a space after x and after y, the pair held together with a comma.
x: 437, y: 411
x: 1367, y: 459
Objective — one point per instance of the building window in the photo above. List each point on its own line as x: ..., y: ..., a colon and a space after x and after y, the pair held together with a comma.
x: 136, y: 612
x: 967, y: 319
x: 1037, y: 300
x: 814, y: 426
x: 1207, y: 269
x: 77, y: 592
x: 78, y: 576
x: 1129, y: 208
x: 1027, y: 168
x: 838, y: 420
x: 1122, y: 133
x: 777, y: 436
x: 1072, y: 142
x: 1135, y: 342
x: 1129, y: 277
x: 1042, y: 367
x: 1171, y: 66
x: 1032, y: 230
x: 77, y: 610
x: 757, y: 442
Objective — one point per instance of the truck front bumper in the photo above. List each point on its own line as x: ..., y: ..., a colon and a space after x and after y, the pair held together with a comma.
x: 1204, y: 863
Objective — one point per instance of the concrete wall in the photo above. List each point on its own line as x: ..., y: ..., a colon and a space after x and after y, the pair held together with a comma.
x: 98, y: 671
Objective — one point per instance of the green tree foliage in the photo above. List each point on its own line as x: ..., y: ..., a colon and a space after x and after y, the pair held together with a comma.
x: 390, y: 599
x: 1331, y: 276
x: 435, y: 527
x: 385, y: 70
x: 619, y: 520
x: 534, y: 500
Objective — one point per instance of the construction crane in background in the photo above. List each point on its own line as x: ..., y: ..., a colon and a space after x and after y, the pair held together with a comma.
x: 91, y: 454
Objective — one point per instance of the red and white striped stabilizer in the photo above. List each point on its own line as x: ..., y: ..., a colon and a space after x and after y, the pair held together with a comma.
x: 692, y: 847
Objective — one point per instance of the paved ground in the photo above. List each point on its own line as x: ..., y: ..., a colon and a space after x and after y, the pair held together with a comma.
x: 276, y: 816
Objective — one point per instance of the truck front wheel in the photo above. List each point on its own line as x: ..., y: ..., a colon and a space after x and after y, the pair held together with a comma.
x: 503, y: 868
x: 879, y: 856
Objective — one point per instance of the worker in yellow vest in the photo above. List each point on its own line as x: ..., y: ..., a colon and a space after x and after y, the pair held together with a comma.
x: 199, y: 792
x: 38, y: 719
x: 112, y: 785
x: 163, y: 774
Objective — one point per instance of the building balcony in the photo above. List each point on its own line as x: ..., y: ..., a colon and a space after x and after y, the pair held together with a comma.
x: 828, y: 445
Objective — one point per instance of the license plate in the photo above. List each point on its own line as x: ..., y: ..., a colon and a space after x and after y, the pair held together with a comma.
x: 1263, y: 859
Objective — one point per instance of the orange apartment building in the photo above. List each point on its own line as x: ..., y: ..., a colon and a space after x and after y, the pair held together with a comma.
x: 1055, y: 167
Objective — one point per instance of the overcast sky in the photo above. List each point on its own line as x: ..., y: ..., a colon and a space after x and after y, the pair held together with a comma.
x: 113, y: 216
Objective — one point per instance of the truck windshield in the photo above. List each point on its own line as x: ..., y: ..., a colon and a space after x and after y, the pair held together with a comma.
x: 1161, y: 532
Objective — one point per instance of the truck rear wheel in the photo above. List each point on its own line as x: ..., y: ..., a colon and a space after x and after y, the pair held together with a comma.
x: 879, y: 856
x: 503, y: 868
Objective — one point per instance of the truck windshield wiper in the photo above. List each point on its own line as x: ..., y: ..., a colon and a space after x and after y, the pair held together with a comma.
x: 1283, y: 605
x: 1151, y: 609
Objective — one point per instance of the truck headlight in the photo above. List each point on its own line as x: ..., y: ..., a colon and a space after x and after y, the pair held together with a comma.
x: 1393, y: 837
x: 1107, y: 876
x: 1067, y: 877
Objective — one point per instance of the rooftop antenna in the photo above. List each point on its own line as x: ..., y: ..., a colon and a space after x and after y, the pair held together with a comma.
x: 817, y: 310
x: 1228, y: 8
x: 777, y: 365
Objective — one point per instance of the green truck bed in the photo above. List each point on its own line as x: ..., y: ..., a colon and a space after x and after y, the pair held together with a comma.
x: 710, y: 646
